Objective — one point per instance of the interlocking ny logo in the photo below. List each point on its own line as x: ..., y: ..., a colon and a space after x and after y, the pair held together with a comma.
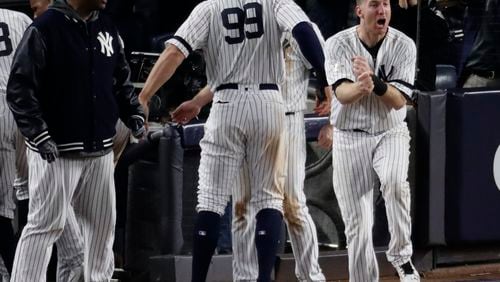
x: 106, y: 41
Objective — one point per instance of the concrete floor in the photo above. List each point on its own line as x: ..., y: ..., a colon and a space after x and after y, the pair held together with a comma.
x: 475, y: 273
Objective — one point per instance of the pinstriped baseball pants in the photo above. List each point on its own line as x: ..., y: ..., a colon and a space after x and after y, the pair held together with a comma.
x: 301, y: 228
x: 70, y: 254
x: 83, y: 184
x: 243, y: 125
x: 357, y: 159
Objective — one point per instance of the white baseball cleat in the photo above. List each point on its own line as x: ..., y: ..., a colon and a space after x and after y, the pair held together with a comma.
x: 407, y: 272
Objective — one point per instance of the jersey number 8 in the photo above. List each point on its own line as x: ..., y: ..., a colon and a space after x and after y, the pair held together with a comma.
x: 5, y: 42
x: 236, y: 19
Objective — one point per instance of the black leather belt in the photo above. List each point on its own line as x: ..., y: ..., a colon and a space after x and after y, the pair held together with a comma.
x: 289, y: 113
x: 493, y: 74
x: 262, y: 86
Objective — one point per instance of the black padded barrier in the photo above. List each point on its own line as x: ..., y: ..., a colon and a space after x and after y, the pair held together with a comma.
x: 154, y: 213
x: 430, y: 168
x: 473, y: 139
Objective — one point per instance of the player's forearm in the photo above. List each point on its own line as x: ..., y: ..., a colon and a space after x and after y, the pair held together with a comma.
x: 393, y: 98
x: 162, y: 71
x: 310, y: 47
x: 203, y: 97
x: 348, y: 93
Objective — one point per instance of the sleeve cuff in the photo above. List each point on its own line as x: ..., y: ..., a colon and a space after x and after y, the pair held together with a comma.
x: 42, y: 137
x: 182, y: 44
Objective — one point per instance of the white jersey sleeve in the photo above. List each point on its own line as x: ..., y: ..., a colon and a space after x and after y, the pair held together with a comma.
x: 338, y: 63
x: 193, y: 33
x: 12, y: 27
x: 288, y: 14
x: 403, y: 76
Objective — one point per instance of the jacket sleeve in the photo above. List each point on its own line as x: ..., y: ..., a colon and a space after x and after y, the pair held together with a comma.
x: 23, y: 86
x: 126, y: 97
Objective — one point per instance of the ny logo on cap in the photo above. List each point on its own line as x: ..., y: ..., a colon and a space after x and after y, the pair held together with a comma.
x: 106, y: 41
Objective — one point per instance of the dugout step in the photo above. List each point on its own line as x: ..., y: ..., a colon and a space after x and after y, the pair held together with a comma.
x: 170, y: 268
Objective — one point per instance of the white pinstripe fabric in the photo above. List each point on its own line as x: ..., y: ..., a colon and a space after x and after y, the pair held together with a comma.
x: 7, y: 160
x: 14, y: 23
x: 12, y: 26
x: 70, y: 245
x: 70, y: 251
x: 255, y: 60
x: 121, y: 139
x: 301, y: 228
x: 357, y: 159
x: 85, y: 185
x: 397, y: 53
x: 70, y: 254
x: 21, y: 180
x: 243, y: 125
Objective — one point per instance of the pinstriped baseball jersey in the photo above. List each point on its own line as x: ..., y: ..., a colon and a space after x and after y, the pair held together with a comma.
x: 242, y: 46
x: 394, y: 64
x: 297, y: 75
x: 12, y: 26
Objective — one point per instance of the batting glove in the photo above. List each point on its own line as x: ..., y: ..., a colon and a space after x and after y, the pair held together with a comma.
x: 136, y: 125
x: 48, y: 150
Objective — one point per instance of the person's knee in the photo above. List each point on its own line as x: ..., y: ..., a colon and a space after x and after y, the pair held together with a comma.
x: 392, y: 185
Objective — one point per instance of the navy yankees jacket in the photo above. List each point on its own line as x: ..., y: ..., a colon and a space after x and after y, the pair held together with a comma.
x: 70, y: 82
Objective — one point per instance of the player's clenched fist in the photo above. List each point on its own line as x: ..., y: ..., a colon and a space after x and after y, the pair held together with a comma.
x: 365, y: 83
x: 360, y: 65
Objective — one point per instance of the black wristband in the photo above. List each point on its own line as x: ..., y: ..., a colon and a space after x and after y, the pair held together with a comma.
x: 379, y: 87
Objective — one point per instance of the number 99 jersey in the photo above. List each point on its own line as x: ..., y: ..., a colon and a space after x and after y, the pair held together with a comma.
x: 240, y: 39
x: 12, y: 27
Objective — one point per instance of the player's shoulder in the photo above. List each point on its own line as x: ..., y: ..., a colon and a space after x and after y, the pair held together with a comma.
x: 15, y: 16
x: 341, y: 37
x: 398, y: 37
x: 207, y: 5
x: 48, y: 18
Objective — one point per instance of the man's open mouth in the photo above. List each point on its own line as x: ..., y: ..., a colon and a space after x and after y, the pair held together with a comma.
x: 381, y: 22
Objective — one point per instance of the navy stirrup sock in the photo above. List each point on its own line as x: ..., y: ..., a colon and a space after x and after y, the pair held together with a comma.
x: 267, y: 236
x: 206, y: 234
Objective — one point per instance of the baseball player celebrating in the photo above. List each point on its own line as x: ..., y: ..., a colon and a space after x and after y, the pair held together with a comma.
x: 68, y: 85
x: 372, y: 67
x: 241, y: 41
x: 300, y: 224
x: 12, y: 26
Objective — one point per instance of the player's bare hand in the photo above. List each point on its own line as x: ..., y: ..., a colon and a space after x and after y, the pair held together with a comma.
x: 360, y: 65
x: 407, y: 3
x: 325, y: 136
x: 185, y: 112
x: 365, y: 84
x: 323, y: 108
